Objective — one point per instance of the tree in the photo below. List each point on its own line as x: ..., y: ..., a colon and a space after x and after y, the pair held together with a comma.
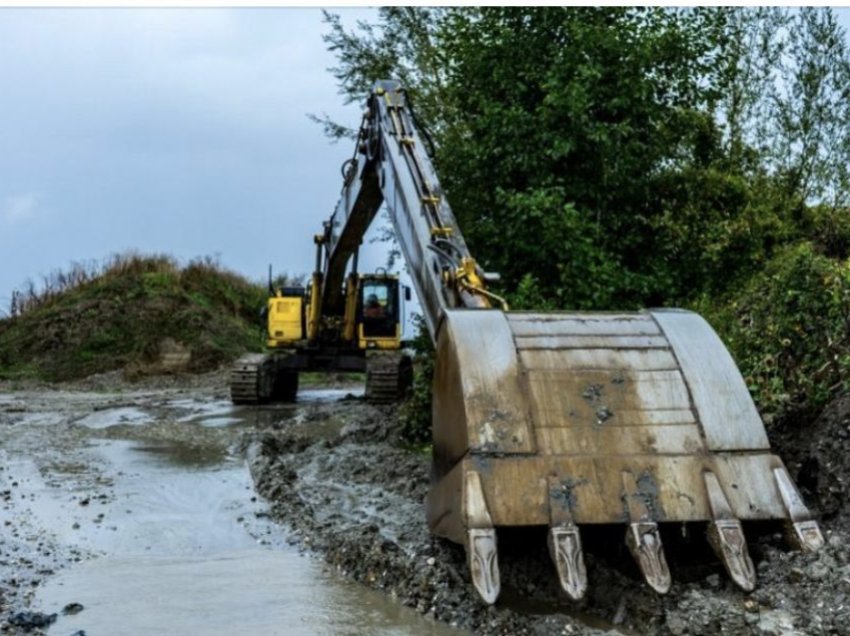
x: 619, y: 157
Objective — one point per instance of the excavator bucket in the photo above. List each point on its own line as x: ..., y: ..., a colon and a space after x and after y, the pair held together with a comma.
x: 570, y: 420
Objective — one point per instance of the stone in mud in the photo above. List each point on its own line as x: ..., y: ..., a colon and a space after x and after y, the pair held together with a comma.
x: 72, y: 608
x: 776, y: 623
x: 32, y: 620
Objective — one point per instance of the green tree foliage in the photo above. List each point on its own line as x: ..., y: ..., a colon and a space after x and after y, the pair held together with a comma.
x: 629, y: 157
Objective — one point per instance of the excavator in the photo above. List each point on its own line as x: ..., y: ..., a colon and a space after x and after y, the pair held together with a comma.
x: 566, y: 420
x: 366, y: 338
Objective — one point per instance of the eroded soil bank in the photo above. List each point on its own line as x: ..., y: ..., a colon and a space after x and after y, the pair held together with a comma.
x: 337, y: 476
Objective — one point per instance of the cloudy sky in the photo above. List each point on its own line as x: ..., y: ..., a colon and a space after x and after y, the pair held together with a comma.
x: 175, y: 131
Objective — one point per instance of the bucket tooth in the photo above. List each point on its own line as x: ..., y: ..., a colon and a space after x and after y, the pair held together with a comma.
x: 643, y: 538
x: 565, y: 541
x: 565, y: 548
x: 726, y: 536
x: 644, y: 543
x: 804, y: 531
x: 484, y: 563
x: 481, y: 540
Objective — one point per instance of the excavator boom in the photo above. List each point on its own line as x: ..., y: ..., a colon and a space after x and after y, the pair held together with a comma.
x: 565, y: 420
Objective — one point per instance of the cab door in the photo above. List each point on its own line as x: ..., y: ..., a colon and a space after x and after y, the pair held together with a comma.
x: 378, y: 313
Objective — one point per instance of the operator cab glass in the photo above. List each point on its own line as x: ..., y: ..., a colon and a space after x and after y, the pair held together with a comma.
x: 379, y: 307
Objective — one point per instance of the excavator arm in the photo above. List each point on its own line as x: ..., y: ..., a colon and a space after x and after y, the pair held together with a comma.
x: 565, y: 420
x: 390, y: 167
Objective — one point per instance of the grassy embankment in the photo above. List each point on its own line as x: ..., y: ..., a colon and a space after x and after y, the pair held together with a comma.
x: 127, y: 313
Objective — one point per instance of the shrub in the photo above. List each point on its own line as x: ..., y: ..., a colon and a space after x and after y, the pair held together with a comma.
x: 415, y: 413
x: 789, y: 329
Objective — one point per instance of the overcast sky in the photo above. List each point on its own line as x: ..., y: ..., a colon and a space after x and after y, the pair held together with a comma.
x: 167, y: 131
x: 176, y: 131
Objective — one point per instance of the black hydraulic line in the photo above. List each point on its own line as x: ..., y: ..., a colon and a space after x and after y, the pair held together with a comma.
x: 449, y: 244
x: 422, y: 129
x: 440, y: 252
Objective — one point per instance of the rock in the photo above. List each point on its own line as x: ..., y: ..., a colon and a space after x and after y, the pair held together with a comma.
x: 676, y: 624
x: 72, y: 608
x: 776, y: 623
x: 31, y: 620
x: 817, y: 571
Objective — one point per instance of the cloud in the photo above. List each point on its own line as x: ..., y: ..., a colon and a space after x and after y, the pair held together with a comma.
x: 19, y: 208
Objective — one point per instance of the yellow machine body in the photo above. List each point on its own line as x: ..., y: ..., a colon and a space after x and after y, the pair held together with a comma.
x: 366, y: 324
x: 387, y: 342
x: 285, y: 319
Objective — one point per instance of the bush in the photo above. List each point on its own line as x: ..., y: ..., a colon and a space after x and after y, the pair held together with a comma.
x: 415, y: 413
x: 789, y: 329
x: 117, y: 314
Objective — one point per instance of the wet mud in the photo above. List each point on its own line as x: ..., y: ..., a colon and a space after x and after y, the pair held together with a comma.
x: 159, y: 508
x: 131, y: 510
x: 337, y: 475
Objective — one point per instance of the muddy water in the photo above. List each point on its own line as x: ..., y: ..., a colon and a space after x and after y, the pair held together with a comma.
x: 153, y: 488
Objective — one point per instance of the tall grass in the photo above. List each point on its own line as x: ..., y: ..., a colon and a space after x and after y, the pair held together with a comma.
x: 32, y: 296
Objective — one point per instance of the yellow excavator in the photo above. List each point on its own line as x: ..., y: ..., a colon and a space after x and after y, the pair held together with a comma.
x: 565, y: 420
x: 302, y: 335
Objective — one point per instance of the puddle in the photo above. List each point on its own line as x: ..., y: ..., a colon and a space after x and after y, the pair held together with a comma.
x: 115, y: 417
x: 329, y: 395
x: 215, y: 422
x: 185, y: 545
x: 198, y: 409
x: 247, y: 592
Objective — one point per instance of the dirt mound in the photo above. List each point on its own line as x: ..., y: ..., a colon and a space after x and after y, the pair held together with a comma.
x: 817, y: 452
x: 146, y: 315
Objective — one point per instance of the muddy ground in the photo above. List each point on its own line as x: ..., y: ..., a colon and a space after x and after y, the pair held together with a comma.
x: 76, y: 523
x: 130, y: 509
x: 338, y: 477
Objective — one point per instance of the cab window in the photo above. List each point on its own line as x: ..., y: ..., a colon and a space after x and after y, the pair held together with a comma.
x: 378, y: 307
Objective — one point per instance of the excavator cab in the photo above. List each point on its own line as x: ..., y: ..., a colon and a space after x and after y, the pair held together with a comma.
x: 379, y: 312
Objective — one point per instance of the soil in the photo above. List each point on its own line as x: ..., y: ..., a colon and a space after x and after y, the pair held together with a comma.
x: 343, y: 487
x: 351, y: 493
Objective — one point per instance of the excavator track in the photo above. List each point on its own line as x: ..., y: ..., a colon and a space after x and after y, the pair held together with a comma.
x: 246, y: 379
x: 260, y: 378
x: 388, y: 377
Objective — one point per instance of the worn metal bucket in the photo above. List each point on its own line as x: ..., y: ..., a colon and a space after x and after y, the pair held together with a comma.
x: 570, y: 419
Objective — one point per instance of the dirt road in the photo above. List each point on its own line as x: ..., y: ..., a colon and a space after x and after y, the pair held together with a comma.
x: 131, y: 509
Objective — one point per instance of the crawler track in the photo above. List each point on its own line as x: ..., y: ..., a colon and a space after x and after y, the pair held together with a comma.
x: 388, y: 377
x: 246, y: 379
